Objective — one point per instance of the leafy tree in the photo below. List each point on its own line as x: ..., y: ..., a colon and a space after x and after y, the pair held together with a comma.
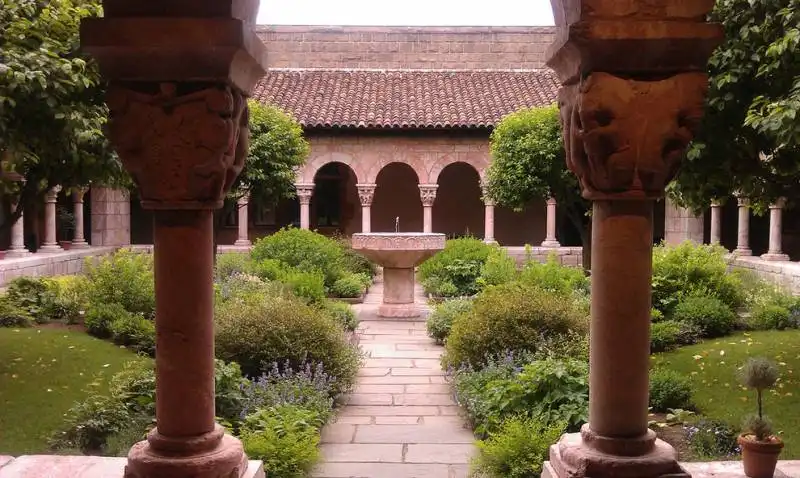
x: 51, y: 102
x: 753, y: 108
x: 528, y: 162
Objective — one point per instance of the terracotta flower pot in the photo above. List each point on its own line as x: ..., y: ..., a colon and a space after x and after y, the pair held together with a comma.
x: 759, y: 457
x: 66, y: 245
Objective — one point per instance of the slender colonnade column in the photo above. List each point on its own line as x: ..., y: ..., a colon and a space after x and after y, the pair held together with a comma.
x: 550, y: 239
x: 427, y: 193
x: 243, y: 238
x: 743, y: 237
x: 17, y: 247
x: 50, y: 243
x: 78, y: 240
x: 775, y: 252
x: 716, y: 222
x: 304, y: 193
x: 366, y: 193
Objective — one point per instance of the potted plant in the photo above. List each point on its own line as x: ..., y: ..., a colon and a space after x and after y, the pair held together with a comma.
x: 760, y: 447
x: 66, y: 226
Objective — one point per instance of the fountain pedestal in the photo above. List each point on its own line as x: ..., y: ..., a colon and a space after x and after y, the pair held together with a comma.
x: 399, y: 253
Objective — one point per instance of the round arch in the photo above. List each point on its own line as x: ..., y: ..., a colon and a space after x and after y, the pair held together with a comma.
x: 459, y: 209
x: 397, y: 196
x: 313, y: 165
x: 413, y: 161
x: 335, y: 207
x: 478, y: 162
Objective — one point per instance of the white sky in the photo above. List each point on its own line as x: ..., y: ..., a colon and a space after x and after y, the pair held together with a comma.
x: 406, y: 12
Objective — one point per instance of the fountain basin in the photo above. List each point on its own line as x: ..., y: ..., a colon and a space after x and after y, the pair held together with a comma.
x: 398, y: 253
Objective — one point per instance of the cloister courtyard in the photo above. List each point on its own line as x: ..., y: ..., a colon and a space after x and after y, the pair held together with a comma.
x: 239, y: 250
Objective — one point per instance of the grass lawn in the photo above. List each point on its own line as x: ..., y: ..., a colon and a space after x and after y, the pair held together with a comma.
x: 712, y: 366
x: 42, y: 373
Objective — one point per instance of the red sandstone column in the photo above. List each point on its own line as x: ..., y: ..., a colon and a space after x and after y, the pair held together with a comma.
x: 775, y: 252
x: 242, y: 205
x: 366, y: 192
x: 78, y: 240
x: 50, y: 243
x: 627, y: 119
x: 427, y: 193
x: 743, y: 237
x: 179, y: 122
x: 17, y: 247
x: 304, y: 194
x: 716, y: 222
x: 550, y: 237
x: 488, y: 216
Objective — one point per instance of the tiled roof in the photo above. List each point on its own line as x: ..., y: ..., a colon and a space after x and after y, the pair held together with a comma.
x: 405, y: 99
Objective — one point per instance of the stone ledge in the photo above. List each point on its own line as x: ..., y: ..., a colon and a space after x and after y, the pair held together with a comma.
x: 716, y: 469
x: 38, y: 466
x: 50, y: 264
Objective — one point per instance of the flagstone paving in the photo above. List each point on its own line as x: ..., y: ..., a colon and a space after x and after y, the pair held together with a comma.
x: 400, y: 421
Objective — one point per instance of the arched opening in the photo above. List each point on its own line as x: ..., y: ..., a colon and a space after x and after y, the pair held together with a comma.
x: 459, y: 210
x: 397, y: 196
x: 335, y: 207
x: 528, y: 226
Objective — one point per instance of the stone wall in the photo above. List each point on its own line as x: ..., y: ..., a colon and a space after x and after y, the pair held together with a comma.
x: 786, y: 274
x: 452, y: 48
x: 45, y: 265
x: 680, y: 225
x: 111, y: 217
x: 568, y: 256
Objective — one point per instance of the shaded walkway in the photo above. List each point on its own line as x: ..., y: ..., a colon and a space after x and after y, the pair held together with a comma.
x: 401, y: 420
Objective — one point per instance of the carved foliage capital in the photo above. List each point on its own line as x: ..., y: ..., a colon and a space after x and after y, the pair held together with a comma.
x: 304, y: 192
x: 51, y: 195
x: 427, y: 193
x: 183, y: 150
x: 624, y: 138
x: 366, y: 193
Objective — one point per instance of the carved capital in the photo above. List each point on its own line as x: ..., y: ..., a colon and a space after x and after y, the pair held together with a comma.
x: 427, y: 193
x: 244, y: 200
x: 52, y: 195
x: 304, y: 192
x: 366, y: 193
x: 77, y: 195
x: 551, y: 201
x: 624, y: 138
x: 742, y: 202
x: 779, y: 204
x: 183, y: 150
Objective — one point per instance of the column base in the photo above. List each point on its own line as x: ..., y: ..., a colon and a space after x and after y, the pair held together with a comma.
x: 490, y: 242
x: 551, y: 244
x: 399, y: 311
x: 50, y: 248
x: 743, y: 252
x: 189, y: 459
x: 771, y: 257
x: 80, y: 245
x: 17, y: 253
x: 243, y: 242
x: 575, y: 457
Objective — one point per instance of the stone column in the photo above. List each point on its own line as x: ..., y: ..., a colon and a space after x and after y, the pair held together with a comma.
x: 50, y: 243
x: 17, y: 247
x: 304, y: 193
x: 488, y: 222
x: 609, y: 101
x: 78, y: 240
x: 427, y: 193
x: 550, y: 239
x: 743, y: 238
x: 179, y: 122
x: 716, y: 222
x: 242, y: 205
x: 775, y: 252
x: 366, y: 192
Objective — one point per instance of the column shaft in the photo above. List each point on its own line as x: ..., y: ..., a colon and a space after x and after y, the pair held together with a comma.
x: 427, y: 218
x: 716, y: 223
x: 488, y: 223
x: 17, y: 247
x: 78, y: 239
x: 743, y: 239
x: 775, y: 252
x: 550, y: 236
x: 366, y: 219
x: 243, y: 238
x: 305, y: 215
x: 622, y: 241
x: 50, y: 243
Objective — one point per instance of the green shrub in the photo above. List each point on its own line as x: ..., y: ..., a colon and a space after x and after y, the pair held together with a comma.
x: 512, y: 317
x: 31, y: 295
x: 710, y: 314
x: 241, y: 286
x: 308, y: 285
x: 713, y: 439
x: 302, y: 249
x: 259, y: 331
x: 354, y: 262
x: 669, y: 389
x: 134, y: 332
x: 285, y: 438
x: 268, y: 269
x: 554, y: 277
x: 124, y: 278
x: 231, y: 263
x: 66, y: 298
x: 99, y: 318
x: 518, y: 450
x: 342, y: 313
x: 688, y: 270
x: 770, y: 317
x: 670, y: 334
x: 499, y: 268
x: 349, y: 286
x: 656, y: 315
x: 455, y: 270
x: 13, y: 316
x: 440, y: 321
x: 550, y: 391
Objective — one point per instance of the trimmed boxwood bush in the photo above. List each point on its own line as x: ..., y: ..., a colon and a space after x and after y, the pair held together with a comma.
x: 305, y: 250
x: 710, y: 314
x: 514, y: 317
x: 260, y: 330
x: 669, y: 390
x: 454, y: 271
x: 441, y: 319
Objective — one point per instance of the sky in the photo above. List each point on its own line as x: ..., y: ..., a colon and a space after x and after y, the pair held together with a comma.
x: 406, y: 12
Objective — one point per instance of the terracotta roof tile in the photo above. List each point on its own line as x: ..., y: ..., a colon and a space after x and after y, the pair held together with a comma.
x: 405, y: 99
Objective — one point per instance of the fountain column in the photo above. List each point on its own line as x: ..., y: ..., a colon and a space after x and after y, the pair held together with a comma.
x: 366, y: 192
x: 427, y: 193
x: 610, y: 102
x: 50, y: 243
x: 716, y: 222
x: 743, y: 236
x: 550, y: 239
x: 304, y: 193
x: 775, y: 252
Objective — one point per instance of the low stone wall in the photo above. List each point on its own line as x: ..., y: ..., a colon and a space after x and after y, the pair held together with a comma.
x: 43, y: 265
x: 568, y: 256
x: 786, y: 274
x: 221, y: 249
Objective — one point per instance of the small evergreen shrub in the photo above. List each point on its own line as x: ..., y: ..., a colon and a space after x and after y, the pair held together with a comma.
x: 30, y: 294
x: 13, y: 316
x: 772, y: 317
x: 349, y: 286
x: 305, y: 250
x: 134, y: 332
x: 554, y: 277
x: 231, y: 263
x: 518, y: 449
x: 441, y: 319
x: 711, y: 315
x: 455, y: 271
x: 124, y: 278
x: 670, y: 334
x: 499, y: 268
x: 342, y: 313
x: 669, y: 389
x: 99, y: 318
x: 308, y: 285
x: 512, y: 317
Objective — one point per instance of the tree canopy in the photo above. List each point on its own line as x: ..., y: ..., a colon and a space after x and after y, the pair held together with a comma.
x: 750, y: 141
x: 528, y: 162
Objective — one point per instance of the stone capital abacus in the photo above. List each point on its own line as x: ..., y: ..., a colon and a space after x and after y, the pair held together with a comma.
x: 427, y: 194
x: 486, y: 196
x: 366, y: 193
x: 243, y: 200
x: 304, y: 192
x: 779, y: 203
x: 78, y: 194
x: 51, y: 196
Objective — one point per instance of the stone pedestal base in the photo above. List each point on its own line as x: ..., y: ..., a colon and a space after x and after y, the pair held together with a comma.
x: 79, y: 245
x: 774, y: 257
x: 50, y: 248
x: 743, y: 252
x: 243, y: 242
x: 573, y: 457
x: 17, y: 253
x: 399, y: 311
x: 551, y: 244
x: 226, y: 460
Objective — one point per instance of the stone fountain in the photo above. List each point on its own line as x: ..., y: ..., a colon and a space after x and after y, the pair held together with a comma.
x: 399, y: 253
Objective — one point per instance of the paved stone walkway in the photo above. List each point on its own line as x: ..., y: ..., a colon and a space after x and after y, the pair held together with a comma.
x: 401, y: 420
